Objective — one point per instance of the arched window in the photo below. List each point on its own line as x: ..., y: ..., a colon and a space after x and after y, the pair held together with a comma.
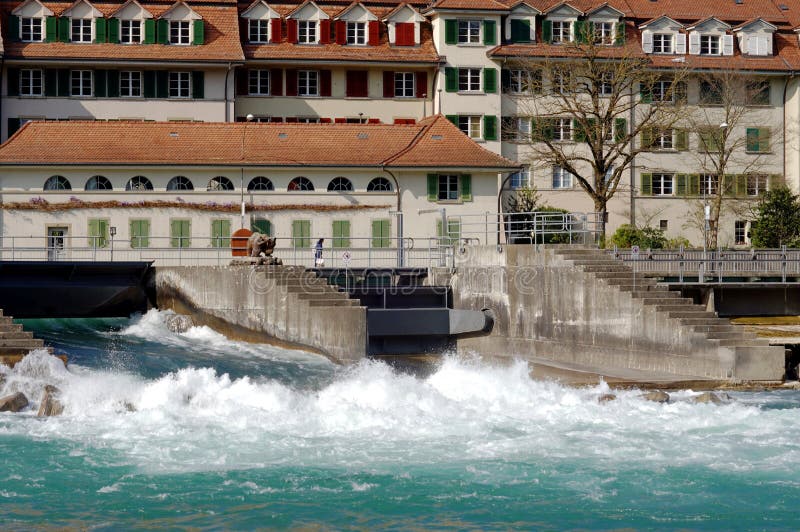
x: 260, y: 183
x: 180, y: 183
x: 139, y: 182
x: 98, y: 182
x: 340, y: 184
x: 57, y: 182
x: 300, y: 183
x: 220, y: 183
x: 379, y: 184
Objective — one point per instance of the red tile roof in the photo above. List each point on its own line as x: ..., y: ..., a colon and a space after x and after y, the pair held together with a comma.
x: 432, y: 143
x: 478, y: 5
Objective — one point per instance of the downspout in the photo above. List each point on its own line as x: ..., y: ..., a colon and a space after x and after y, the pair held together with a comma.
x: 400, y: 240
x: 785, y: 90
x: 433, y: 92
x: 227, y: 75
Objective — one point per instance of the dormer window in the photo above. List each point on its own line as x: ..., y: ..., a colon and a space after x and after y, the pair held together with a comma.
x: 603, y: 32
x: 179, y: 32
x: 263, y: 24
x: 81, y: 30
x: 403, y: 24
x: 307, y: 31
x: 710, y: 44
x: 562, y: 31
x: 469, y: 32
x: 357, y: 33
x: 258, y: 30
x: 130, y: 31
x: 662, y: 43
x: 31, y: 29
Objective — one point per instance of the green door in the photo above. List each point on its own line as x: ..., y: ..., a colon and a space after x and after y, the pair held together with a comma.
x: 341, y: 233
x: 380, y: 234
x: 98, y: 233
x: 180, y: 232
x: 453, y: 235
x: 220, y: 233
x: 301, y: 233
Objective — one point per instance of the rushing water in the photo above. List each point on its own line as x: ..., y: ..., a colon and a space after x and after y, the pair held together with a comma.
x: 193, y: 430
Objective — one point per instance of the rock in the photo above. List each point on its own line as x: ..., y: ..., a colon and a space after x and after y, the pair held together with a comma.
x: 708, y: 397
x: 50, y: 405
x: 13, y: 403
x: 657, y: 396
x: 179, y: 323
x: 606, y: 397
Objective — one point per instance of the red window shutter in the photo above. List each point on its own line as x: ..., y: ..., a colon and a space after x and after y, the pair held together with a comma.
x: 325, y: 120
x: 388, y: 84
x: 324, y: 31
x: 404, y: 34
x: 324, y: 83
x: 276, y: 30
x: 291, y: 119
x: 422, y: 84
x: 357, y: 84
x: 341, y: 32
x: 374, y: 33
x: 291, y: 82
x: 373, y: 121
x: 340, y: 120
x: 291, y: 30
x: 276, y: 82
x: 242, y: 80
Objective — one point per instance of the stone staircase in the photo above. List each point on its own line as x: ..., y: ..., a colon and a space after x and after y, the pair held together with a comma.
x: 15, y: 343
x: 307, y: 288
x: 678, y: 311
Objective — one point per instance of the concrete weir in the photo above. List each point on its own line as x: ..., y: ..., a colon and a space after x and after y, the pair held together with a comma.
x: 581, y: 308
x: 289, y: 305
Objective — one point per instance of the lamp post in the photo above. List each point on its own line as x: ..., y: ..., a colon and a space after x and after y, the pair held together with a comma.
x: 249, y: 118
x: 113, y: 232
x: 400, y: 240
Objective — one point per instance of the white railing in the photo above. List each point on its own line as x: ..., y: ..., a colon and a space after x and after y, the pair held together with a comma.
x: 537, y: 227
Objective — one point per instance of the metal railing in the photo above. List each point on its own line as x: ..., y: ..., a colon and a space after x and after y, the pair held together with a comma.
x: 537, y: 227
x: 714, y: 265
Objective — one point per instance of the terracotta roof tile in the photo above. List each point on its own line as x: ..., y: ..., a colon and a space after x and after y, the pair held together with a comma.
x: 341, y: 145
x: 482, y: 5
x: 221, y: 38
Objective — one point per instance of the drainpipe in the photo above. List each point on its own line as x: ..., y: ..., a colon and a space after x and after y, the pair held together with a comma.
x: 227, y: 76
x: 785, y: 90
x: 399, y: 211
x: 433, y: 97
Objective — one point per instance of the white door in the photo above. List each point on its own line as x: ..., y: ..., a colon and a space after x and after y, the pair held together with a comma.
x: 56, y: 240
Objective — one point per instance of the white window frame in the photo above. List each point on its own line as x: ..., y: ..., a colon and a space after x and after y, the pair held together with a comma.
x: 740, y: 232
x: 180, y: 85
x: 356, y: 33
x: 449, y: 187
x: 180, y: 32
x: 603, y: 32
x: 470, y: 79
x: 404, y: 85
x: 258, y: 79
x: 308, y: 83
x: 562, y: 129
x: 561, y: 179
x: 663, y: 184
x: 307, y: 32
x: 757, y: 184
x: 522, y: 81
x: 663, y: 139
x: 85, y: 86
x: 261, y: 27
x: 469, y: 31
x: 33, y: 25
x: 470, y: 125
x: 27, y: 87
x: 82, y: 28
x: 660, y: 89
x: 129, y: 81
x: 708, y: 42
x: 663, y: 43
x: 709, y: 184
x: 130, y: 31
x: 606, y: 84
x: 561, y: 31
x: 520, y: 180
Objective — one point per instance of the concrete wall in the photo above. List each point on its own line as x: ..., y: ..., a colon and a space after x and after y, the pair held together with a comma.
x: 546, y: 308
x: 248, y: 302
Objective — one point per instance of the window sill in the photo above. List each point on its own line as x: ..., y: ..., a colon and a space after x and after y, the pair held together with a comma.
x: 471, y: 45
x: 471, y: 93
x: 449, y: 202
x: 759, y: 152
x: 759, y: 105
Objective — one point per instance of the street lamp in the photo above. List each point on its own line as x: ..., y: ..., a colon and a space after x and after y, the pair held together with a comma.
x: 113, y: 232
x: 248, y: 118
x: 400, y: 242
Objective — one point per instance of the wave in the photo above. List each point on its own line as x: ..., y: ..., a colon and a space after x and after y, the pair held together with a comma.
x: 195, y: 419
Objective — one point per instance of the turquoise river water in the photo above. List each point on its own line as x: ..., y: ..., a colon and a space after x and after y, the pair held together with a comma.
x: 165, y: 430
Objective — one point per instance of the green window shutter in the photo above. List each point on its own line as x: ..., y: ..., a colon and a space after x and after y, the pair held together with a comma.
x: 112, y: 85
x: 162, y: 31
x: 620, y: 37
x: 728, y: 184
x: 51, y: 82
x: 180, y: 233
x: 490, y: 80
x: 63, y: 82
x: 775, y: 181
x: 489, y: 127
x: 451, y: 79
x: 433, y: 187
x: 763, y: 139
x: 694, y: 184
x: 454, y: 231
x: 466, y: 187
x: 113, y: 30
x: 13, y: 28
x: 198, y: 84
x: 741, y: 185
x: 520, y: 30
x: 547, y: 31
x: 301, y: 233
x: 100, y: 85
x: 752, y: 139
x: 220, y: 233
x: 63, y: 29
x: 380, y: 234
x: 647, y: 185
x: 578, y: 132
x: 149, y: 84
x: 50, y: 32
x: 149, y: 31
x: 453, y: 119
x: 489, y: 32
x: 98, y: 233
x: 199, y: 36
x: 580, y: 31
x: 174, y: 233
x: 645, y: 93
x: 140, y: 233
x: 680, y: 188
x: 13, y: 125
x: 450, y: 31
x: 100, y: 30
x: 12, y: 82
x: 620, y: 129
x: 162, y: 84
x: 647, y: 138
x: 261, y: 225
x: 681, y: 140
x: 341, y: 233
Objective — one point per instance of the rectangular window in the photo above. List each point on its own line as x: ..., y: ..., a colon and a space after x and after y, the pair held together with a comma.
x: 220, y: 233
x: 562, y: 31
x: 562, y: 129
x: 404, y: 85
x: 98, y: 232
x: 308, y: 83
x: 606, y: 82
x: 81, y: 29
x: 469, y: 79
x: 710, y: 140
x: 470, y: 125
x: 469, y: 32
x: 301, y: 234
x: 520, y: 179
x: 757, y: 140
x: 663, y: 139
x: 179, y: 85
x: 180, y: 232
x: 563, y: 81
x: 740, y: 232
x: 179, y: 32
x: 130, y: 84
x: 31, y: 29
x: 448, y: 187
x: 603, y: 32
x: 662, y: 184
x: 662, y: 91
x: 341, y: 234
x: 525, y: 81
x: 561, y: 177
x: 757, y: 92
x: 756, y: 184
x: 709, y: 44
x: 30, y: 82
x: 258, y: 30
x: 663, y: 225
x: 258, y: 82
x: 711, y: 92
x: 709, y: 184
x: 662, y: 43
x: 130, y: 31
x: 140, y: 233
x: 81, y: 83
x: 307, y: 32
x: 356, y: 33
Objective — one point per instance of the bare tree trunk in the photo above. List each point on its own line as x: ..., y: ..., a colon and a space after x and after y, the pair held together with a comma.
x: 601, y: 206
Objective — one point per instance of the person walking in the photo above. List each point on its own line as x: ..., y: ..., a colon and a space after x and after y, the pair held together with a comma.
x: 319, y: 262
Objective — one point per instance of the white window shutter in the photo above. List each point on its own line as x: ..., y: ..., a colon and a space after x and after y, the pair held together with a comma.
x: 752, y: 44
x: 416, y: 33
x: 694, y: 43
x: 727, y: 45
x: 768, y: 40
x: 508, y: 28
x: 533, y: 29
x: 680, y: 43
x: 391, y: 27
x: 647, y: 41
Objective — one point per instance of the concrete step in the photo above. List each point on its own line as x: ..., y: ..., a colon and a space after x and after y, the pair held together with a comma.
x: 713, y: 328
x: 607, y: 269
x: 632, y: 285
x: 22, y: 343
x: 680, y: 308
x: 690, y: 314
x: 666, y: 301
x: 730, y: 335
x: 658, y: 292
x: 6, y: 350
x: 326, y: 295
x: 10, y: 327
x: 333, y: 302
x: 617, y: 275
x: 6, y: 320
x: 741, y: 343
x: 311, y: 289
x: 693, y: 320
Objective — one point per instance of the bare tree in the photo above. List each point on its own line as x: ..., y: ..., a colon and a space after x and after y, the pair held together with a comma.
x: 582, y: 110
